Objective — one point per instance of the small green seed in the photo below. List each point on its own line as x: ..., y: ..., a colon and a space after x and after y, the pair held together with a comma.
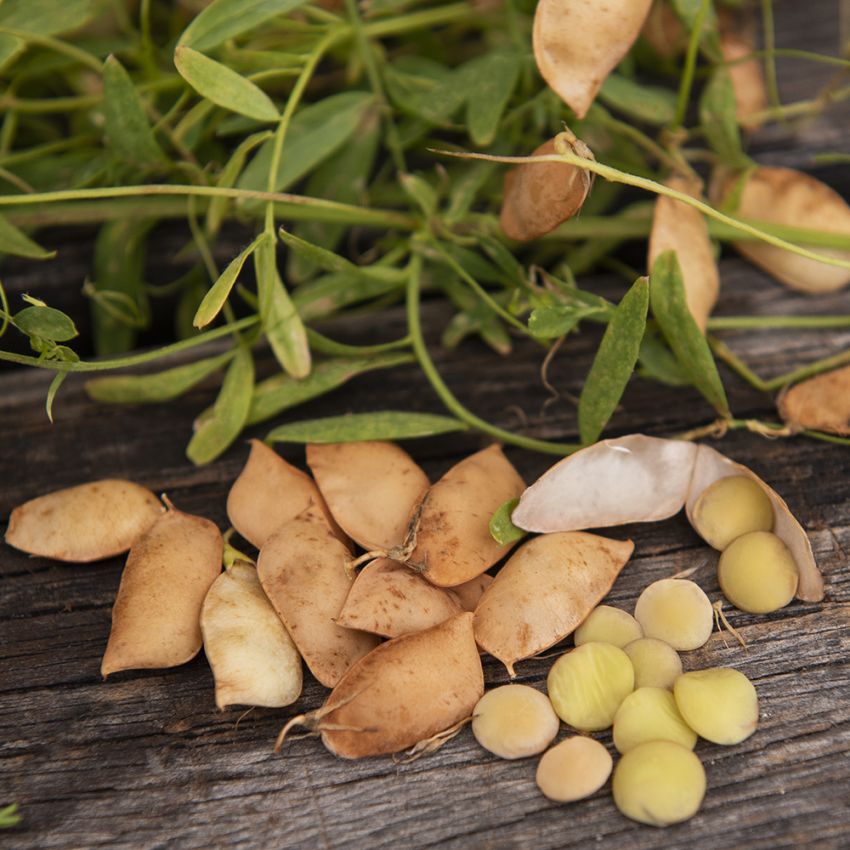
x: 650, y: 714
x: 605, y: 624
x: 731, y: 507
x: 587, y: 685
x: 657, y: 664
x: 757, y: 573
x: 659, y: 783
x: 573, y: 769
x: 720, y: 704
x: 514, y: 721
x: 676, y: 611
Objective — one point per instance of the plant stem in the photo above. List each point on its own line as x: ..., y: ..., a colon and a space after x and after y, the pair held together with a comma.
x: 426, y: 19
x: 319, y: 342
x: 55, y: 44
x: 729, y: 323
x: 445, y: 394
x: 769, y: 31
x: 690, y: 65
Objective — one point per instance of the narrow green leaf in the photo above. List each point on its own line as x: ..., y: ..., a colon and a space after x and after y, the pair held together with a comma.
x: 16, y: 242
x: 156, y: 387
x: 214, y: 299
x: 226, y: 19
x: 687, y: 11
x: 650, y: 104
x: 353, y: 427
x: 489, y: 82
x: 614, y: 362
x: 281, y: 392
x: 46, y: 322
x: 420, y: 192
x: 667, y: 297
x: 128, y: 131
x: 282, y: 325
x: 46, y: 17
x: 9, y: 816
x: 550, y: 321
x: 424, y: 88
x: 11, y: 48
x: 502, y: 529
x: 657, y: 362
x: 217, y: 432
x: 224, y: 87
x: 331, y: 293
x: 58, y: 380
x: 717, y: 116
x: 315, y: 132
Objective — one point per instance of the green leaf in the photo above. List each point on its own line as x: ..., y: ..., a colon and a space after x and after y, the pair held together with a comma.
x: 282, y: 324
x: 555, y: 320
x: 156, y: 387
x: 214, y: 299
x: 9, y: 816
x: 128, y: 131
x: 657, y: 362
x: 281, y: 392
x: 315, y: 132
x: 217, y: 432
x: 46, y: 322
x: 502, y: 529
x: 224, y: 87
x: 58, y: 380
x: 16, y: 242
x: 424, y: 88
x: 687, y: 11
x: 353, y: 427
x: 488, y: 82
x: 420, y: 192
x: 333, y: 292
x: 614, y: 362
x: 11, y: 48
x: 226, y: 19
x: 46, y: 17
x: 717, y: 116
x: 667, y: 297
x: 650, y: 104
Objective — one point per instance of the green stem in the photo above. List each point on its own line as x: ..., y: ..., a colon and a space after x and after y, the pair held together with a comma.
x: 132, y: 359
x: 827, y: 438
x: 325, y: 345
x: 724, y: 353
x: 58, y: 46
x: 426, y: 19
x: 445, y: 394
x: 769, y: 57
x: 730, y: 323
x: 690, y: 65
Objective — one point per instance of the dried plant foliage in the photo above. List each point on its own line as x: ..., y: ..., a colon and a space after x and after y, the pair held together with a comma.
x: 821, y: 403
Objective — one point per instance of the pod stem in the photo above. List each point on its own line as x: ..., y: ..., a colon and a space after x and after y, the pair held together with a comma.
x: 352, y: 566
x: 720, y: 617
x: 430, y: 745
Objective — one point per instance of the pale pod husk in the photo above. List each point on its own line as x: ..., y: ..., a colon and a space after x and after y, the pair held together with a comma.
x: 85, y: 523
x: 680, y: 228
x: 370, y: 488
x: 630, y: 479
x: 157, y: 612
x: 664, y: 32
x: 538, y: 196
x: 470, y: 592
x: 303, y: 570
x: 270, y: 492
x: 738, y: 41
x: 711, y: 466
x: 821, y: 403
x: 389, y: 599
x: 789, y: 197
x: 577, y: 43
x: 450, y: 541
x: 252, y: 656
x: 542, y: 594
x: 410, y: 690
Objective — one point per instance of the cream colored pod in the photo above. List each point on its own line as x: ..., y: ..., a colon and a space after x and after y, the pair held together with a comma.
x: 577, y: 43
x: 605, y: 624
x: 821, y: 403
x: 157, y: 612
x: 737, y: 43
x: 680, y: 228
x: 253, y: 659
x: 573, y: 769
x: 659, y: 783
x: 785, y: 196
x: 757, y: 573
x: 84, y: 523
x: 514, y: 721
x: 587, y: 685
x: 720, y: 704
x: 538, y: 196
x: 650, y: 714
x: 657, y: 664
x: 676, y: 611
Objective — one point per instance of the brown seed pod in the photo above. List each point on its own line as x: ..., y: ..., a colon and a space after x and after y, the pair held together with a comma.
x: 821, y: 403
x: 538, y: 196
x: 613, y: 482
x: 84, y: 523
x: 738, y: 40
x: 680, y: 228
x: 270, y: 492
x: 544, y: 591
x: 470, y: 592
x: 450, y: 538
x: 370, y: 488
x: 408, y: 690
x: 786, y: 196
x: 663, y: 31
x: 157, y: 612
x: 577, y: 43
x: 711, y: 466
x: 252, y: 656
x: 389, y: 599
x: 302, y: 568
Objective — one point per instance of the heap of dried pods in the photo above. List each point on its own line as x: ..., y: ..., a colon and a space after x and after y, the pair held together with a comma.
x: 427, y: 590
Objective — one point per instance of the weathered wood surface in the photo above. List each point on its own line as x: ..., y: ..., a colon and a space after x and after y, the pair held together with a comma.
x: 146, y: 761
